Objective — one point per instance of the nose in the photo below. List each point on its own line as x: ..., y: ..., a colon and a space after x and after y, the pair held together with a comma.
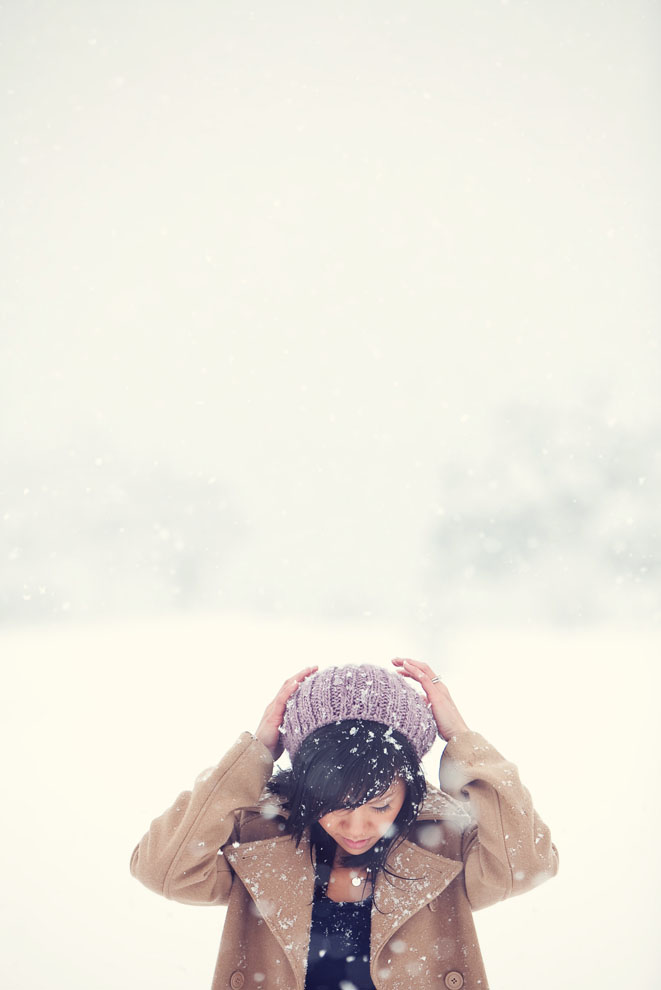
x: 355, y: 824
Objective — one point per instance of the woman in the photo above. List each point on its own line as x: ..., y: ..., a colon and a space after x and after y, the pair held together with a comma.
x: 350, y: 870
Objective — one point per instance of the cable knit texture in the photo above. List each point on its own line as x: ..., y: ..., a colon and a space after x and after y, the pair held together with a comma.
x: 358, y: 691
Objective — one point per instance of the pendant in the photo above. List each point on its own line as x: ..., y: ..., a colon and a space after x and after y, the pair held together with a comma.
x: 356, y: 881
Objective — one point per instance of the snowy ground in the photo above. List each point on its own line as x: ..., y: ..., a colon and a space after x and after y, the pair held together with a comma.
x: 104, y: 725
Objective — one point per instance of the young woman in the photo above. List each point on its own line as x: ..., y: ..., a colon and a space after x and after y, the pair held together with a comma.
x: 349, y: 871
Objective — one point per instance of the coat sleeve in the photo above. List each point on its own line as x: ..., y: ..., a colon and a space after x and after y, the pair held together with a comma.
x: 180, y: 857
x: 507, y: 848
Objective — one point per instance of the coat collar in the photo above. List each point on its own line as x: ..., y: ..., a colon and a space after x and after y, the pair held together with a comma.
x: 280, y: 879
x: 424, y: 875
x: 442, y: 807
x: 271, y: 868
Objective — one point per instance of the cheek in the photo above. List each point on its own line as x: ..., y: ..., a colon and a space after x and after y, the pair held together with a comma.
x: 387, y: 821
x: 328, y: 823
x: 387, y: 824
x: 379, y: 824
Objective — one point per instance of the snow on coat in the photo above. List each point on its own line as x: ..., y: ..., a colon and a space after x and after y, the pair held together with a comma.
x: 476, y: 841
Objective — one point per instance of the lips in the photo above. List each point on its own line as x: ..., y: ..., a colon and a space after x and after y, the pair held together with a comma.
x: 355, y: 845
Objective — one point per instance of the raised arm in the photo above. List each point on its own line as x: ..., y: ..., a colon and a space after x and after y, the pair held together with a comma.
x: 508, y: 849
x: 179, y: 856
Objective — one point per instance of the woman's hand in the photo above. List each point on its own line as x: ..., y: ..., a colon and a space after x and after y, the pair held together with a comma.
x: 447, y: 718
x: 268, y: 729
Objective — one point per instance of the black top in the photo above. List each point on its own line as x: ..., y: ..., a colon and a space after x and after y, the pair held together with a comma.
x: 339, y: 953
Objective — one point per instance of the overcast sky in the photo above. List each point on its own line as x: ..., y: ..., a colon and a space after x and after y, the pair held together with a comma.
x: 311, y: 250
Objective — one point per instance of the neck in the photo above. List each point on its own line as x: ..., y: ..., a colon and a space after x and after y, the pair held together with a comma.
x: 348, y: 867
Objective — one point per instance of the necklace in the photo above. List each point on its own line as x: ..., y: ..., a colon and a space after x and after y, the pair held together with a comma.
x: 356, y: 881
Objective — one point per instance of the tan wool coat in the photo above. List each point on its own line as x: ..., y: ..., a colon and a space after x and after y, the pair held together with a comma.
x: 476, y: 841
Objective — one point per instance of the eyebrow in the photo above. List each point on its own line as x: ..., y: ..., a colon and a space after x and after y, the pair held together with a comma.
x: 382, y: 797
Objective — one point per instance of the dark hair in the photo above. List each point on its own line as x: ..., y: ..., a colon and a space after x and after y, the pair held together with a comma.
x: 343, y: 765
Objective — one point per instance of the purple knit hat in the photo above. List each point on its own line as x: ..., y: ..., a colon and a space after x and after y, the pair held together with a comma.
x: 354, y: 691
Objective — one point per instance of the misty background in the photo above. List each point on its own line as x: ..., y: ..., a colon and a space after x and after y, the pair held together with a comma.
x: 335, y: 311
x: 333, y: 331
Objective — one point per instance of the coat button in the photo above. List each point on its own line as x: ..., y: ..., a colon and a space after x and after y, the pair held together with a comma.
x: 433, y: 905
x: 237, y: 980
x: 454, y: 980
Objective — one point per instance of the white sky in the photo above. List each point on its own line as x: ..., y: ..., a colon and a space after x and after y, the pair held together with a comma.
x: 235, y: 224
x: 311, y: 250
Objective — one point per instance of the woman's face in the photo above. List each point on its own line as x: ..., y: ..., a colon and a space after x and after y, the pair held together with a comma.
x: 358, y: 829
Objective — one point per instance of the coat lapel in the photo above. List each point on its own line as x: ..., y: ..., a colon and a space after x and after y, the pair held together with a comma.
x: 440, y: 806
x: 398, y: 899
x: 280, y: 879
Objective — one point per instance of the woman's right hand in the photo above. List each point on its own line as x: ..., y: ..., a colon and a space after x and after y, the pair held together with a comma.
x: 268, y: 729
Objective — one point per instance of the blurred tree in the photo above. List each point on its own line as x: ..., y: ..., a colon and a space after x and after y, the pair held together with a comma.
x: 87, y: 535
x: 563, y: 510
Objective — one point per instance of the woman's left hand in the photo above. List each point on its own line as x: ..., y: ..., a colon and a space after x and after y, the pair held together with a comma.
x: 446, y: 715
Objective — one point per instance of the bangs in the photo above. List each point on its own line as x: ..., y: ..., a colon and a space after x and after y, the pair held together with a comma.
x: 346, y: 763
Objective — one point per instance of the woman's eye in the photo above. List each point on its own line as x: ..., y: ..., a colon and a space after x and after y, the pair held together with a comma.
x: 386, y: 807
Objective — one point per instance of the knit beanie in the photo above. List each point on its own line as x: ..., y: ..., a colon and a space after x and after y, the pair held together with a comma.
x: 358, y: 691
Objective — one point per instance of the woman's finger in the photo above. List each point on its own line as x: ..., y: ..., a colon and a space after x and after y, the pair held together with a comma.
x: 419, y: 672
x: 297, y: 678
x: 414, y: 668
x: 420, y: 665
x: 402, y: 667
x: 268, y: 730
x: 425, y: 680
x: 407, y: 661
x: 293, y: 683
x: 416, y: 676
